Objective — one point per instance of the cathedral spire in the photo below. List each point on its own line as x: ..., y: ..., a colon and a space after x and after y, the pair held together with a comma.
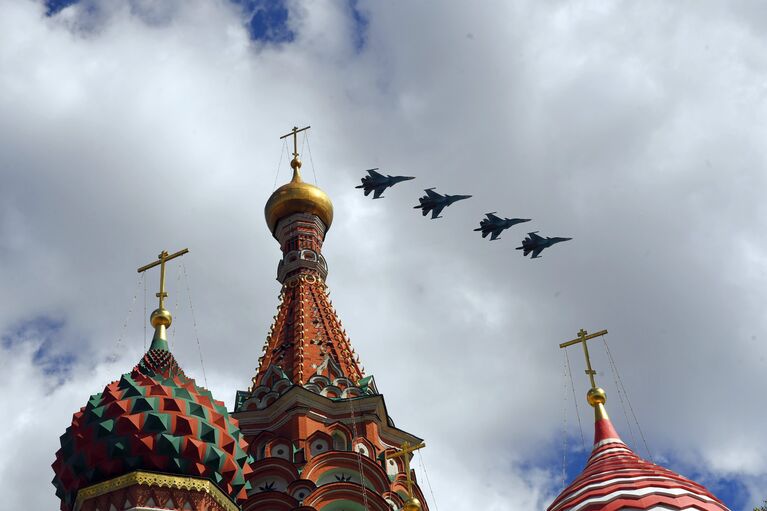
x: 307, y: 344
x: 615, y: 478
x: 161, y: 317
x: 317, y: 426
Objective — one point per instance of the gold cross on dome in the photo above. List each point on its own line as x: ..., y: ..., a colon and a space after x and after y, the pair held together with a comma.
x: 295, y: 131
x: 163, y: 258
x: 584, y: 336
x: 404, y: 453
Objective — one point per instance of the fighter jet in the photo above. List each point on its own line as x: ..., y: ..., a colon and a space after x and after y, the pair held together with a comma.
x: 535, y: 244
x: 495, y: 225
x: 377, y: 183
x: 435, y: 202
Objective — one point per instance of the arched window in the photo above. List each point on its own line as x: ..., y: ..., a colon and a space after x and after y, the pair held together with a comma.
x: 319, y: 446
x: 339, y: 441
x: 362, y: 449
x: 281, y: 450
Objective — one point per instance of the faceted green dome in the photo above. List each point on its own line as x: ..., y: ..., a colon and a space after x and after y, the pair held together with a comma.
x: 154, y: 418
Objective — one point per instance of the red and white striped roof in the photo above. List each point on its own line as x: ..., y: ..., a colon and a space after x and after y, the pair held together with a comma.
x: 617, y: 479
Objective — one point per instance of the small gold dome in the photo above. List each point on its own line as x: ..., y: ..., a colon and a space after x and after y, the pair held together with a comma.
x: 596, y: 396
x: 412, y: 504
x: 160, y: 317
x: 297, y: 197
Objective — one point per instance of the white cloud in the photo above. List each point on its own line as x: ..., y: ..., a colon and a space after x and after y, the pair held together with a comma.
x: 636, y: 129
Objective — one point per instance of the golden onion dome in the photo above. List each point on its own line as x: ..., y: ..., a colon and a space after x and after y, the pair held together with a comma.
x: 297, y: 197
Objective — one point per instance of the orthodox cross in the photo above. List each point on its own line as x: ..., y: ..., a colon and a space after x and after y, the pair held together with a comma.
x: 163, y: 258
x: 295, y: 133
x: 584, y: 336
x: 404, y: 453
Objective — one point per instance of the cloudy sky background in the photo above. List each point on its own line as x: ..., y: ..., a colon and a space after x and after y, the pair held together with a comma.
x: 637, y: 128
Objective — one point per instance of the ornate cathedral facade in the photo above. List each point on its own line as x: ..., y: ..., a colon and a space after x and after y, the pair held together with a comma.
x: 311, y: 433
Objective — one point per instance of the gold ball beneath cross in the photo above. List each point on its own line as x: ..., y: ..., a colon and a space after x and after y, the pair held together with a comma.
x: 161, y: 317
x: 412, y: 504
x: 596, y: 396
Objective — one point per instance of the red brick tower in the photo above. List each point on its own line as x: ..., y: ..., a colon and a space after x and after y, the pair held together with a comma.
x: 317, y: 426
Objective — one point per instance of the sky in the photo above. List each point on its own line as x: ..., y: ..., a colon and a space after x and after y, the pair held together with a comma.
x: 636, y: 128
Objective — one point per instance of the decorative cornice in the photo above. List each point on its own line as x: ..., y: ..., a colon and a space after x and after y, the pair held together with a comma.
x: 139, y: 477
x: 300, y: 401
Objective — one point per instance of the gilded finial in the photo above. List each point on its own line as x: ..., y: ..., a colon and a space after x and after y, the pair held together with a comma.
x: 161, y: 318
x: 297, y: 196
x: 295, y: 163
x: 596, y: 396
x: 412, y: 504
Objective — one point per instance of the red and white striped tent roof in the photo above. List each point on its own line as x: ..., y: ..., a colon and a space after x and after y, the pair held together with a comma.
x: 617, y: 479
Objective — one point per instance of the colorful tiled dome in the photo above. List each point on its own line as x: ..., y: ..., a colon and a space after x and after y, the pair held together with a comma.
x: 154, y: 418
x: 615, y: 478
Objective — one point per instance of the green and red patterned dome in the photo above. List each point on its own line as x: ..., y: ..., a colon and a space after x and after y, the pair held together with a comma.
x: 154, y: 418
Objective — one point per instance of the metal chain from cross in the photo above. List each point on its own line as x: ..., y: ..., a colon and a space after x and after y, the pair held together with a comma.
x: 404, y: 453
x: 163, y: 258
x: 583, y: 337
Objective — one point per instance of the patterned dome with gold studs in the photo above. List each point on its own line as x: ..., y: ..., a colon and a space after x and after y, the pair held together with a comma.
x: 297, y: 197
x: 154, y: 418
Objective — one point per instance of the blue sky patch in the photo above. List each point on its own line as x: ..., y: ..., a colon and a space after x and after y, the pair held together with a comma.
x: 46, y: 332
x: 54, y: 6
x: 267, y: 20
x: 730, y: 491
x: 360, y: 25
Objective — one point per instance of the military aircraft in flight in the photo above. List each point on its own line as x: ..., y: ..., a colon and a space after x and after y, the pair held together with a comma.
x: 535, y: 244
x: 377, y: 183
x: 495, y: 225
x: 434, y: 202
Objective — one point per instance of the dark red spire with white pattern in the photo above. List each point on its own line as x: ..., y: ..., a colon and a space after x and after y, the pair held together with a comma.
x: 615, y: 478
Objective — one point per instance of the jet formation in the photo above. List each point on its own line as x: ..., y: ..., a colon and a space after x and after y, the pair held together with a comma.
x: 494, y: 225
x: 535, y: 244
x: 377, y: 183
x: 434, y: 202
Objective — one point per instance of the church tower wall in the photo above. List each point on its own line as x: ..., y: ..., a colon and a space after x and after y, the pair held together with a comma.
x: 317, y: 427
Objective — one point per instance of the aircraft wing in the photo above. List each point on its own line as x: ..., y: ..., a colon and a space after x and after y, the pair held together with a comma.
x: 495, y: 234
x: 492, y: 217
x: 534, y: 236
x: 536, y: 252
x: 437, y: 210
x: 433, y: 194
x: 373, y: 173
x: 378, y: 191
